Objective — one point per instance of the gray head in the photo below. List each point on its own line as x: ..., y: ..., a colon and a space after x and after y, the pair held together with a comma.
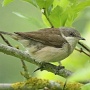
x: 72, y: 36
x: 71, y: 32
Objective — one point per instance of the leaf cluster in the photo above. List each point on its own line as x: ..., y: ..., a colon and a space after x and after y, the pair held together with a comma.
x: 57, y: 13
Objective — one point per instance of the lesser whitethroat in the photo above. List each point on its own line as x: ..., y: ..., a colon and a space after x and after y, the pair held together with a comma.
x: 49, y: 44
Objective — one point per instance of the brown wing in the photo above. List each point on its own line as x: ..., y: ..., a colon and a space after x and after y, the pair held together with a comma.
x: 47, y: 36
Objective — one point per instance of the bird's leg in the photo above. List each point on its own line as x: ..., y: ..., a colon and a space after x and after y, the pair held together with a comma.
x: 59, y: 63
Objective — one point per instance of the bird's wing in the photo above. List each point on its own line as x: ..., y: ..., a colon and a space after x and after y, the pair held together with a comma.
x: 48, y: 36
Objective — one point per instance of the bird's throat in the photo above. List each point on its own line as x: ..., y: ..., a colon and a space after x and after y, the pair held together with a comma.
x: 72, y: 42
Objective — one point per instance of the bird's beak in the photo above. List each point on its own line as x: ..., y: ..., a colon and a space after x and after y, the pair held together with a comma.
x: 81, y: 38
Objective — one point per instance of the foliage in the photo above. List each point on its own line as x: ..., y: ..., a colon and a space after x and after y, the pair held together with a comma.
x: 85, y: 72
x: 86, y: 87
x: 59, y: 12
x: 33, y: 20
x: 5, y: 2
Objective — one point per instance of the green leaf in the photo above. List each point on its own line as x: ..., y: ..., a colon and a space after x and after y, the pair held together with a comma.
x: 55, y: 16
x: 5, y: 2
x: 55, y: 3
x: 20, y: 15
x: 73, y: 1
x: 64, y: 3
x: 81, y: 75
x: 33, y: 2
x: 44, y: 3
x: 81, y: 6
x: 31, y: 20
x: 64, y: 18
x: 74, y: 10
x: 86, y: 87
x: 71, y: 16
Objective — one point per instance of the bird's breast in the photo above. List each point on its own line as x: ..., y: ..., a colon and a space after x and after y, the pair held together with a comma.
x: 72, y: 42
x: 50, y: 54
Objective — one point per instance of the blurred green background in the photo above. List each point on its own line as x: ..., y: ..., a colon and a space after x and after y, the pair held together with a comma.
x: 10, y: 67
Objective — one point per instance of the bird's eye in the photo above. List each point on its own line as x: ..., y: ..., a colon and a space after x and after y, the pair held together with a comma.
x: 72, y: 34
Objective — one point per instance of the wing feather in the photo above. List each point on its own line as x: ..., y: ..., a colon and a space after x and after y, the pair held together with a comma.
x: 47, y: 36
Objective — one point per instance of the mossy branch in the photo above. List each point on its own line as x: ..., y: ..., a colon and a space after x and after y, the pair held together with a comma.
x: 40, y: 84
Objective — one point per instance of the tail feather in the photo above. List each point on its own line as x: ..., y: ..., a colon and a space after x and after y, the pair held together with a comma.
x: 7, y: 33
x: 12, y: 35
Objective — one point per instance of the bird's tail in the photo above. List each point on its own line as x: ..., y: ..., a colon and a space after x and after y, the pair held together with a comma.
x: 7, y: 33
x: 12, y: 35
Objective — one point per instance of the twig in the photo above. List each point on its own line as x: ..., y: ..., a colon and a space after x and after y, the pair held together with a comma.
x: 65, y: 85
x: 25, y: 56
x: 81, y: 50
x: 45, y: 13
x: 25, y: 73
x: 5, y: 40
x: 6, y: 86
x: 84, y: 46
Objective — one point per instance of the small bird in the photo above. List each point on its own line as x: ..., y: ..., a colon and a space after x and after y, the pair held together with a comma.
x: 49, y: 44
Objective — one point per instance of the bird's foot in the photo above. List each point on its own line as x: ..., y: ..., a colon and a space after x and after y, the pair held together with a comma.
x: 58, y: 68
x: 49, y: 66
x: 41, y: 67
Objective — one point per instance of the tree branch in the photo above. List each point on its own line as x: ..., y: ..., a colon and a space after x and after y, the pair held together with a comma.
x: 6, y: 86
x: 25, y: 56
x: 40, y: 84
x: 5, y: 40
x: 84, y: 46
x: 45, y: 13
x: 81, y: 50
